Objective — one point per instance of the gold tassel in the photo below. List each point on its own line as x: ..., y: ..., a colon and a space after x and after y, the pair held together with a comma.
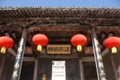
x: 79, y: 48
x: 39, y: 48
x: 114, y: 50
x: 3, y: 50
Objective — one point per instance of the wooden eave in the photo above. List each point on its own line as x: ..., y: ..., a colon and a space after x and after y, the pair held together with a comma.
x: 59, y: 12
x: 59, y: 24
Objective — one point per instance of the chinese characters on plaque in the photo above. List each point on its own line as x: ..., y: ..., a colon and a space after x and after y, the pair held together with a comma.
x: 58, y: 70
x: 58, y: 49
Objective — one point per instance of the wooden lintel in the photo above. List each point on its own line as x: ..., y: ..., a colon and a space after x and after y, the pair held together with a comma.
x: 109, y: 28
x: 59, y: 19
x: 10, y: 28
x: 87, y: 59
x: 56, y: 28
x: 29, y: 59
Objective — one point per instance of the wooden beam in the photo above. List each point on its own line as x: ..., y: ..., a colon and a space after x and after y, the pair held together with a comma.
x: 109, y: 28
x: 29, y: 59
x: 10, y: 27
x: 105, y: 52
x: 55, y: 19
x: 12, y: 52
x: 87, y: 59
x: 56, y: 28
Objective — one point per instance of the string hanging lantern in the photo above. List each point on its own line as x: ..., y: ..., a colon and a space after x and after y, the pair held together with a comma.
x: 112, y: 43
x: 78, y: 40
x: 5, y: 42
x: 40, y: 40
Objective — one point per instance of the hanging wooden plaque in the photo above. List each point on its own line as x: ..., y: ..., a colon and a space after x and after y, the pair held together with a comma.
x: 58, y: 49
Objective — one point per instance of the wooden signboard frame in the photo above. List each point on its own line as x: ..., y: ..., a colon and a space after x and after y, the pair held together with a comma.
x: 59, y: 49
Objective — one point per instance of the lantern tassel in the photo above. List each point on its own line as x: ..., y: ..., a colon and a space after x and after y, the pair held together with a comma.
x: 3, y: 50
x: 39, y: 48
x: 114, y: 50
x: 79, y: 48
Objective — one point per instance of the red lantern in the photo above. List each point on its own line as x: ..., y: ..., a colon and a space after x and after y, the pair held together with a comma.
x: 6, y: 42
x: 78, y: 40
x: 40, y: 40
x: 112, y: 42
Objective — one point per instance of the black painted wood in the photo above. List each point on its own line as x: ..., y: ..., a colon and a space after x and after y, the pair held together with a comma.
x: 44, y: 67
x: 8, y: 67
x: 72, y: 69
x: 98, y: 58
x: 27, y: 71
x: 90, y: 71
x: 19, y: 57
x: 108, y: 67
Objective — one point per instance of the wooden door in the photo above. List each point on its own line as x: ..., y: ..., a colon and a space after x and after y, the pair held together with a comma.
x: 45, y: 68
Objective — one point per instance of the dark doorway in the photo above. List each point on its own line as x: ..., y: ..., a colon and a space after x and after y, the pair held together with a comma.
x: 90, y: 71
x: 7, y: 66
x: 27, y: 71
x: 72, y: 69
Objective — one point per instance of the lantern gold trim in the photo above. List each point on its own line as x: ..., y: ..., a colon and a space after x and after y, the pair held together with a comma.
x: 79, y: 48
x: 3, y: 50
x: 39, y: 48
x: 114, y: 50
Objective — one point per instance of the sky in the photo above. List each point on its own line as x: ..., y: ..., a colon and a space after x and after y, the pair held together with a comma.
x: 61, y: 3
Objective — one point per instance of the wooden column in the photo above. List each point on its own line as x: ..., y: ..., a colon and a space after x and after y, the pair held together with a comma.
x: 81, y: 70
x: 35, y: 69
x: 2, y: 64
x: 119, y: 73
x: 19, y: 57
x: 114, y: 67
x: 98, y: 58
